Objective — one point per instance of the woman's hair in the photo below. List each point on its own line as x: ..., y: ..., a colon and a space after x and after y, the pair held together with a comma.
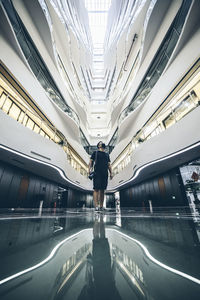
x: 102, y: 145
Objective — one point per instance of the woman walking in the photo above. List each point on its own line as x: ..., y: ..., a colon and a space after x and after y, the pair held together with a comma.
x: 101, y: 161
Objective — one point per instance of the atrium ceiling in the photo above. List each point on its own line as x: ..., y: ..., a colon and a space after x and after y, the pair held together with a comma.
x: 104, y: 30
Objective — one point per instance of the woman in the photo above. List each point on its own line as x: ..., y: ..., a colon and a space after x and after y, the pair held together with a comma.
x: 101, y: 161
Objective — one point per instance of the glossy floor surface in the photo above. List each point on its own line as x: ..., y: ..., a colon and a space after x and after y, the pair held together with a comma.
x: 118, y: 254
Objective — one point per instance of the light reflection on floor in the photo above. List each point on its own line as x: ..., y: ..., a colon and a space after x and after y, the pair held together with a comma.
x: 118, y: 254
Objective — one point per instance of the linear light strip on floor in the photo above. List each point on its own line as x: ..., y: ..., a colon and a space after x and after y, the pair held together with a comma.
x: 191, y: 278
x: 43, y: 261
x: 157, y: 261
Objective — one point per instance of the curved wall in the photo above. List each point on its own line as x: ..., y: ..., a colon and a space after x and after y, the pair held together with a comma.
x: 26, y: 149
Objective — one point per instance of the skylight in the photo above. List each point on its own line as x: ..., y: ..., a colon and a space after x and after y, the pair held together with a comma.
x: 97, y: 14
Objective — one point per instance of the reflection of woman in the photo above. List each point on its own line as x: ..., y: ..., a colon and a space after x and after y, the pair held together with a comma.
x: 104, y: 281
x: 102, y: 286
x: 101, y: 161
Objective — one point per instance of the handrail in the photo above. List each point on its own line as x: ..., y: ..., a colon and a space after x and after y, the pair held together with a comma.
x: 129, y: 52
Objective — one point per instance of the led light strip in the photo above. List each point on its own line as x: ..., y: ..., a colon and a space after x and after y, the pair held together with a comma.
x: 157, y: 261
x: 62, y: 174
x: 43, y: 261
x: 130, y: 276
x: 156, y: 161
x: 191, y: 278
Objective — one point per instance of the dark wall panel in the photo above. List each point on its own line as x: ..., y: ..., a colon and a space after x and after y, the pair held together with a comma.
x: 47, y: 195
x: 1, y: 171
x: 165, y: 190
x: 5, y: 184
x: 22, y: 189
x: 30, y: 193
x: 13, y: 191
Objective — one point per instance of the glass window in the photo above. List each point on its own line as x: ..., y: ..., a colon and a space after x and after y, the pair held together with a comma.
x: 36, y: 128
x: 34, y: 53
x: 14, y: 111
x: 7, y: 105
x: 65, y: 148
x: 25, y: 120
x: 162, y: 64
x: 34, y: 66
x: 34, y: 117
x: 172, y: 43
x: 57, y: 139
x: 43, y: 81
x: 2, y: 99
x: 154, y: 78
x: 30, y: 124
x: 42, y: 133
x: 184, y: 108
x: 23, y: 44
x: 48, y: 131
x: 170, y: 120
x: 21, y: 116
x: 183, y: 12
x: 11, y: 14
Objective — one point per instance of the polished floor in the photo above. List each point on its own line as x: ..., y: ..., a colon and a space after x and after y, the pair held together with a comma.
x: 118, y: 254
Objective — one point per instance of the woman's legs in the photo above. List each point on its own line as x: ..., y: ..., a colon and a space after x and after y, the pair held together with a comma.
x: 96, y: 197
x: 101, y: 194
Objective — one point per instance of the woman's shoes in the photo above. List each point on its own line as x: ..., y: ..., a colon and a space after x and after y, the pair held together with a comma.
x: 102, y: 209
x: 99, y: 209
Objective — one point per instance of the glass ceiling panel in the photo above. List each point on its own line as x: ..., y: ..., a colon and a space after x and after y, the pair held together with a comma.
x: 97, y: 14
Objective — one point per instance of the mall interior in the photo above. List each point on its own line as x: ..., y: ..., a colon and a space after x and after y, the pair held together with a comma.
x: 73, y: 73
